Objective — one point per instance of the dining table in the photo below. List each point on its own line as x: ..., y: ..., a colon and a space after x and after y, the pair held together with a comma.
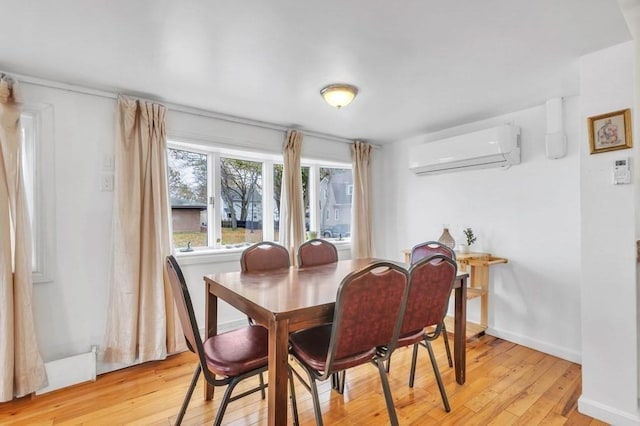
x: 291, y: 299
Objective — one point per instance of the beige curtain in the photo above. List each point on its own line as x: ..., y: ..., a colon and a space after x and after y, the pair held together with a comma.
x: 141, y: 324
x: 291, y: 204
x: 22, y: 369
x: 361, y: 244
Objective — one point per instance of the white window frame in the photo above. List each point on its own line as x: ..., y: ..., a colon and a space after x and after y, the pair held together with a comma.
x: 37, y: 122
x: 218, y: 253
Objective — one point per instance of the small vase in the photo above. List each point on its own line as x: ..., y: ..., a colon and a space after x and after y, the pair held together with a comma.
x: 446, y: 238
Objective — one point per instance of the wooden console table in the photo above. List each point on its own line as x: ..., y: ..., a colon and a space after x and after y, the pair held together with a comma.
x: 477, y: 265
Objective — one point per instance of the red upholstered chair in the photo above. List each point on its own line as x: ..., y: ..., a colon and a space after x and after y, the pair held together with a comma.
x: 264, y: 256
x: 316, y: 252
x: 368, y: 313
x: 232, y: 356
x: 430, y: 282
x: 427, y: 249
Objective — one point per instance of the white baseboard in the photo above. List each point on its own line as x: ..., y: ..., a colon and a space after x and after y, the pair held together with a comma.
x: 606, y: 413
x: 70, y: 371
x: 106, y: 367
x: 558, y: 351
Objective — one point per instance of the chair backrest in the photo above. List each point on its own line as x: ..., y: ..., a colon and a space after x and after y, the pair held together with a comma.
x: 264, y: 256
x: 316, y: 252
x: 429, y: 248
x: 431, y: 280
x: 185, y: 309
x: 369, y: 309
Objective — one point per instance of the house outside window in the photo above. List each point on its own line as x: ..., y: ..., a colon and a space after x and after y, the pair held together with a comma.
x: 334, y: 187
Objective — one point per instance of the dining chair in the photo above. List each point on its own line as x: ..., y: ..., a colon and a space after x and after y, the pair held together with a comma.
x: 368, y: 314
x: 232, y: 356
x: 264, y: 256
x: 317, y: 252
x: 431, y: 280
x: 421, y: 251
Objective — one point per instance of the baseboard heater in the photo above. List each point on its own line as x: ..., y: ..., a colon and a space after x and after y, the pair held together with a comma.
x: 70, y: 371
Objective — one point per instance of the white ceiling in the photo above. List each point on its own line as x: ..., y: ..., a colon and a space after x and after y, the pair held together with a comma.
x: 420, y: 65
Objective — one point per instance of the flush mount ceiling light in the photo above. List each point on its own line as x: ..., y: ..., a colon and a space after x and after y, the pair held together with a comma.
x: 339, y: 95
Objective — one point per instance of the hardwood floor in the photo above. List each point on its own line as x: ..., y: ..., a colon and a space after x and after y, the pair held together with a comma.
x: 506, y: 384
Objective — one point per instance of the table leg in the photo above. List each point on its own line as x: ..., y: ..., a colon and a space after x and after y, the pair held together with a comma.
x: 278, y: 371
x: 460, y: 332
x: 211, y: 329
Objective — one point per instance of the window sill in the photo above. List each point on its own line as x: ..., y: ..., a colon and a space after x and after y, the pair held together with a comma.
x: 232, y: 254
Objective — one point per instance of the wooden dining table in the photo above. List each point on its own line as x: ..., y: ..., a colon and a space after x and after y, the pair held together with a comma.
x: 292, y: 299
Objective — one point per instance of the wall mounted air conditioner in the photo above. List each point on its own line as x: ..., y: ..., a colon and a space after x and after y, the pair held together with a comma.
x: 494, y: 147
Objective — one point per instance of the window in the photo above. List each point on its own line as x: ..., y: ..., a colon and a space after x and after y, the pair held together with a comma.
x: 350, y: 190
x: 188, y: 175
x: 221, y: 198
x: 241, y: 192
x: 37, y: 164
x: 336, y: 197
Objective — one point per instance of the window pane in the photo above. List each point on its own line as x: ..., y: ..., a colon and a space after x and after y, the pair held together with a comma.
x: 241, y: 193
x: 188, y: 198
x: 277, y: 188
x: 305, y: 197
x: 28, y: 156
x: 335, y: 196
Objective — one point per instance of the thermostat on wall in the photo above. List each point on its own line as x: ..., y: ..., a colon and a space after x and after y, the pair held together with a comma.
x: 621, y: 171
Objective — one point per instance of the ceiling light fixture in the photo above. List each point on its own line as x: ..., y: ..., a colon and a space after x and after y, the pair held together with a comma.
x: 339, y: 95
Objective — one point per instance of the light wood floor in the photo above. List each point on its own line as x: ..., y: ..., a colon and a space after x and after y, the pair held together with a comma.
x: 506, y: 384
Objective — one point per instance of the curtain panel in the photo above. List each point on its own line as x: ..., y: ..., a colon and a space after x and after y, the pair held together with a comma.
x: 291, y: 204
x: 22, y: 369
x: 141, y: 322
x: 361, y: 227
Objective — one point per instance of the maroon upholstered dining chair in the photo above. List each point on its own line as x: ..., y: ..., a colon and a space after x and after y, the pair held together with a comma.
x: 264, y: 256
x: 232, y: 356
x: 421, y: 251
x: 368, y: 313
x: 431, y: 280
x: 317, y: 252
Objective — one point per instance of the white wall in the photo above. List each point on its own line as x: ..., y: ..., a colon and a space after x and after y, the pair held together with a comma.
x: 529, y: 214
x: 70, y: 311
x: 609, y: 299
x: 569, y: 288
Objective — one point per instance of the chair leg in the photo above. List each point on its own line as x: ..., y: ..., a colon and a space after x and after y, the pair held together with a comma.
x: 316, y: 399
x: 337, y: 381
x: 225, y: 401
x: 436, y: 372
x: 294, y: 404
x: 445, y: 336
x: 389, y: 363
x: 187, y: 397
x: 342, y: 378
x: 391, y: 409
x: 414, y: 358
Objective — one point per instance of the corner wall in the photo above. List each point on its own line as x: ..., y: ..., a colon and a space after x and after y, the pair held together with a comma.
x: 529, y: 214
x: 608, y: 296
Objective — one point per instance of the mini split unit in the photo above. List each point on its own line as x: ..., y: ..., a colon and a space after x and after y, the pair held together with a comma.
x: 494, y: 147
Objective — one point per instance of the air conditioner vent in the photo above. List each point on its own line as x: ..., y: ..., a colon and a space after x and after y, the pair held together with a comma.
x: 493, y: 147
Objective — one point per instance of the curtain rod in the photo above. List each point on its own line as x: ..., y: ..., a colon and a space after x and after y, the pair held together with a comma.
x: 20, y: 78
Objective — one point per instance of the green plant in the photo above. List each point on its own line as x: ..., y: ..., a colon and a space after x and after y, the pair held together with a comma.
x: 468, y: 232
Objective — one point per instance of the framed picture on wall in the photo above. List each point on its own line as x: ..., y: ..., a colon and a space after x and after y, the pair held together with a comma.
x: 609, y: 132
